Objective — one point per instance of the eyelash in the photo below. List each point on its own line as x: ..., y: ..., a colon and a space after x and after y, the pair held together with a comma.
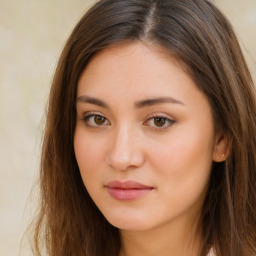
x: 167, y: 122
x: 89, y: 118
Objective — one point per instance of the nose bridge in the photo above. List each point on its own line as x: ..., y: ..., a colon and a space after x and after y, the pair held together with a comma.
x: 125, y: 149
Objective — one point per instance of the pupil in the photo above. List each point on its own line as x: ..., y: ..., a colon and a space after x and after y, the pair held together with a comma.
x: 159, y: 122
x: 99, y: 119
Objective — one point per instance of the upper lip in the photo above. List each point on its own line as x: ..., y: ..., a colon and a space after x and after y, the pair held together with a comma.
x: 130, y: 184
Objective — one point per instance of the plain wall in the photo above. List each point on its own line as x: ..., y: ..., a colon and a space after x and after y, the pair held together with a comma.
x: 32, y: 34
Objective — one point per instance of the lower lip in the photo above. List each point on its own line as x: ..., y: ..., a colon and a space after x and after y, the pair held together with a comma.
x: 128, y: 194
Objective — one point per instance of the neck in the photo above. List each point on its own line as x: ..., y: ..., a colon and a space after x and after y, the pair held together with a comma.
x: 166, y: 240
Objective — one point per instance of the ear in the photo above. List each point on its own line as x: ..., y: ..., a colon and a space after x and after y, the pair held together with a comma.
x: 222, y: 148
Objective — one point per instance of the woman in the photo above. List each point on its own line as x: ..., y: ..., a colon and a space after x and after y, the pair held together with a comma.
x: 149, y: 146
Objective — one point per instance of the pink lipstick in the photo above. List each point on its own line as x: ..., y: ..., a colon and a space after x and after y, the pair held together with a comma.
x: 128, y: 190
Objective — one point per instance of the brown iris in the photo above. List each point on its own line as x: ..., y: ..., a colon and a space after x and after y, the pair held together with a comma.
x: 159, y: 121
x: 99, y: 120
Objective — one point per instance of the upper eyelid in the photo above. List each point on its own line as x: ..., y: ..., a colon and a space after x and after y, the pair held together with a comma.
x: 169, y: 120
x: 86, y: 118
x: 159, y: 115
x: 148, y: 117
x: 154, y: 114
x: 164, y: 117
x: 92, y: 113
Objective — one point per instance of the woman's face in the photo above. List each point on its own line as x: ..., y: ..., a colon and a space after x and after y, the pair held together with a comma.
x: 144, y: 138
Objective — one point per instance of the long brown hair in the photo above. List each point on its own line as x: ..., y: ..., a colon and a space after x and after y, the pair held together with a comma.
x: 196, y: 33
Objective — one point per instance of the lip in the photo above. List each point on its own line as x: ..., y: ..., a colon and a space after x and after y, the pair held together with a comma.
x: 128, y: 190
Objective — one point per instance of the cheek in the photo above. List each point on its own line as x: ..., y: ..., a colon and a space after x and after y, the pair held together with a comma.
x: 181, y: 156
x: 88, y: 155
x: 185, y: 162
x: 183, y: 172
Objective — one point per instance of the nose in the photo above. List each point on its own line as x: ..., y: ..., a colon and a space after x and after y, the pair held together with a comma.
x: 125, y: 151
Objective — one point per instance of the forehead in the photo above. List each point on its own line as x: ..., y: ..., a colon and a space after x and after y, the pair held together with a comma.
x: 130, y: 75
x: 132, y: 64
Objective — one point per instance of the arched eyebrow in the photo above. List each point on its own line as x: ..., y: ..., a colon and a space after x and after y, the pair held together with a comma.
x: 91, y: 100
x: 155, y: 101
x: 138, y: 104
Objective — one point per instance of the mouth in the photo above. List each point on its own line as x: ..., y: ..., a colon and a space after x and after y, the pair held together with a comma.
x: 128, y: 190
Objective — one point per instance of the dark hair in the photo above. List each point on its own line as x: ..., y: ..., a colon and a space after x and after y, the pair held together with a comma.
x: 197, y: 34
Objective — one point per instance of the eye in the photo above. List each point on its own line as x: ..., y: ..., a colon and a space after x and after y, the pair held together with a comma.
x: 159, y: 122
x: 95, y: 120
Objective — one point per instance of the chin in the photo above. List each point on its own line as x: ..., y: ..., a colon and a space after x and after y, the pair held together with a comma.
x: 130, y: 225
x: 129, y: 222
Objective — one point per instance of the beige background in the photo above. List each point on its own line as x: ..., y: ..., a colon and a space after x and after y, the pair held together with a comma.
x: 32, y: 34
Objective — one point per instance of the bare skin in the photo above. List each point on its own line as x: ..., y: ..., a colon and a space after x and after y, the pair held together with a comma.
x: 141, y: 118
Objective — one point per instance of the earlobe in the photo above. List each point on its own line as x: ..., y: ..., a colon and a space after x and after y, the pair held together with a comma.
x: 221, y: 149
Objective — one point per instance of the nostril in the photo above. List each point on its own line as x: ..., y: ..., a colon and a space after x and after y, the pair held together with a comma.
x: 125, y: 159
x: 124, y: 150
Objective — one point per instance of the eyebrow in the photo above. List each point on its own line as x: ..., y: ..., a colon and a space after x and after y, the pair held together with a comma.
x: 138, y: 104
x: 91, y: 100
x: 154, y: 101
